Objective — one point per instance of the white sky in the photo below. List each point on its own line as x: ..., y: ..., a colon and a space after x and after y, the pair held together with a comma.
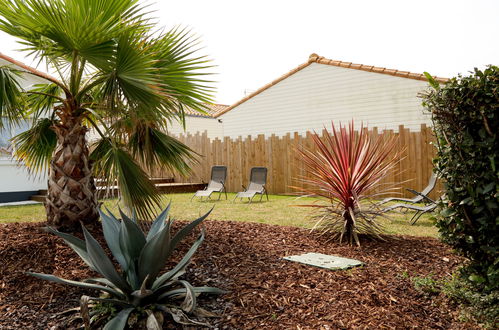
x: 254, y: 42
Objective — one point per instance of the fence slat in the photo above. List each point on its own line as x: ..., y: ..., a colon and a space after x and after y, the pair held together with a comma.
x: 279, y: 155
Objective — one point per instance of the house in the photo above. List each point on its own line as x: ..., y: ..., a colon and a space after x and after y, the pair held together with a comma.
x: 16, y: 182
x: 196, y: 122
x: 321, y: 90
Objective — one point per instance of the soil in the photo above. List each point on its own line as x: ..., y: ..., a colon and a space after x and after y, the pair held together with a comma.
x: 266, y: 292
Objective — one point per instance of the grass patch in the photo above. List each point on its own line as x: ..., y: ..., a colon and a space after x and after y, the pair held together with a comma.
x: 280, y: 210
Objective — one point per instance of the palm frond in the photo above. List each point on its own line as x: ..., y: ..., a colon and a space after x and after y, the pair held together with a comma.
x: 41, y: 99
x: 181, y: 70
x: 114, y: 164
x: 34, y: 147
x: 156, y: 149
x: 11, y: 96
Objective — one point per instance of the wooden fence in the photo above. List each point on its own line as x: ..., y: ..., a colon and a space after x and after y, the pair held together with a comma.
x: 285, y: 167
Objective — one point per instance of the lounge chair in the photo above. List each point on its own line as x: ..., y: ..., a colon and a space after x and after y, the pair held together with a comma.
x: 420, y: 210
x: 216, y: 184
x: 420, y: 196
x: 258, y: 179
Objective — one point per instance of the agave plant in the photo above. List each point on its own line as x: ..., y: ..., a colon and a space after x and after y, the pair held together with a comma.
x: 138, y: 287
x: 346, y: 166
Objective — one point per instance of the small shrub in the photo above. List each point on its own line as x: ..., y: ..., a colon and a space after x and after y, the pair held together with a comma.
x: 345, y: 167
x: 427, y: 285
x: 465, y: 113
x: 138, y: 293
x: 483, y: 307
x: 479, y: 307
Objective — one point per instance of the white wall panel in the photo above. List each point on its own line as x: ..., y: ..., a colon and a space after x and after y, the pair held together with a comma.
x: 194, y: 125
x: 311, y: 98
x: 15, y: 177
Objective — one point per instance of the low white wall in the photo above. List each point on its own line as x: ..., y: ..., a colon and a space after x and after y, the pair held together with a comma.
x: 15, y: 177
x: 195, y: 125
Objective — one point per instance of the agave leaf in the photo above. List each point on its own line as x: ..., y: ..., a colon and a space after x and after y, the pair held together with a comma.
x: 179, y: 293
x: 152, y: 323
x: 100, y: 280
x: 179, y: 268
x: 78, y: 245
x: 180, y: 317
x: 155, y: 253
x: 84, y: 311
x: 102, y: 262
x: 187, y: 229
x: 189, y: 303
x: 112, y: 291
x: 201, y: 312
x: 118, y: 302
x: 131, y: 238
x: 111, y: 230
x: 119, y: 321
x: 159, y: 223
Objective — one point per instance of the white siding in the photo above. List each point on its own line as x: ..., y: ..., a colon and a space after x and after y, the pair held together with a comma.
x: 194, y: 125
x: 318, y: 94
x: 15, y: 177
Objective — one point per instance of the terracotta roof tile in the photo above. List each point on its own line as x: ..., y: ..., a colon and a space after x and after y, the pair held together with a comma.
x: 211, y: 112
x: 314, y: 58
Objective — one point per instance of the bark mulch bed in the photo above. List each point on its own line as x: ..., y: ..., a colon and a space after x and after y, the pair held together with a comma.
x: 266, y: 292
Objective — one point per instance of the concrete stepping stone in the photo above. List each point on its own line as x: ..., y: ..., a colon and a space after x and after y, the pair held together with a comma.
x: 324, y: 261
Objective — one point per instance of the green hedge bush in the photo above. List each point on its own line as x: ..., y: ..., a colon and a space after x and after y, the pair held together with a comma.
x: 465, y: 114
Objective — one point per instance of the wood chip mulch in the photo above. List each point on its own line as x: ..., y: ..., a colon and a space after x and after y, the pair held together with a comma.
x: 266, y: 292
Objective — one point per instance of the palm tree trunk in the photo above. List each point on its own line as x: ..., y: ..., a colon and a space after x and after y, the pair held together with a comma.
x: 71, y: 189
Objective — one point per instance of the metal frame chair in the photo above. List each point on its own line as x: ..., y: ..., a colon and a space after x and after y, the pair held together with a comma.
x: 420, y: 196
x: 420, y: 210
x: 216, y: 184
x: 258, y: 179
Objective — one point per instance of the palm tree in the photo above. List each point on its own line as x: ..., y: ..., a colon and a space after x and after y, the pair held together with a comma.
x: 117, y: 74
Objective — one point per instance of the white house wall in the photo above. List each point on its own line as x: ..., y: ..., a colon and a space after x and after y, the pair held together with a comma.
x: 198, y: 124
x: 314, y: 96
x: 15, y: 181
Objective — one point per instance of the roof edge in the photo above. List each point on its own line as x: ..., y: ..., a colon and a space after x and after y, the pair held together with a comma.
x: 314, y: 58
x: 371, y: 68
x: 27, y: 68
x: 264, y: 87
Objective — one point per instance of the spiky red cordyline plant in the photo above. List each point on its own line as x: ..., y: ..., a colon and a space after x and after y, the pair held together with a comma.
x: 345, y: 167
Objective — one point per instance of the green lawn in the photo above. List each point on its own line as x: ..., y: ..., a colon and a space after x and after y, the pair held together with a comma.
x: 280, y: 210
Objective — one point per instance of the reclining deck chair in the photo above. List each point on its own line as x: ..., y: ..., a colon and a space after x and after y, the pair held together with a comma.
x: 258, y: 179
x: 420, y: 210
x: 420, y: 196
x: 216, y: 184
